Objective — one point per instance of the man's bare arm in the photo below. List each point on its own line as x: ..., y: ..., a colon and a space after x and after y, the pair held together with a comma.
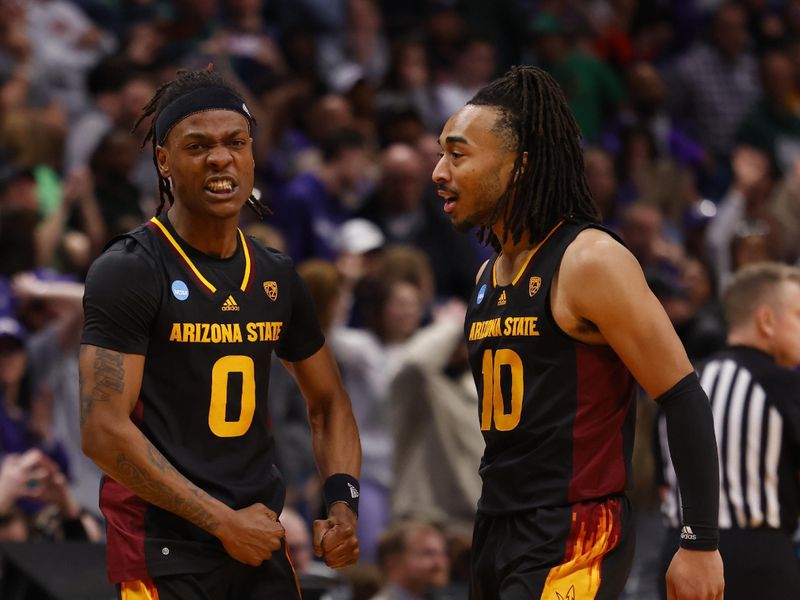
x: 337, y: 448
x: 109, y: 388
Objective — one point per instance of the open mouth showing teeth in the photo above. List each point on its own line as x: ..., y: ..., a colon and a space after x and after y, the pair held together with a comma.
x: 220, y: 185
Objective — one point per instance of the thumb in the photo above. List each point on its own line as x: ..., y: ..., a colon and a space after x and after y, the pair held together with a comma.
x: 319, y: 529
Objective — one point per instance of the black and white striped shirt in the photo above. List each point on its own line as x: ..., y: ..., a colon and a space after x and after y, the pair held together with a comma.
x: 756, y: 408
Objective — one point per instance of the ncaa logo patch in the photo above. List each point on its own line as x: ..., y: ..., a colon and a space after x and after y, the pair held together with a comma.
x: 481, y: 294
x: 180, y: 290
x: 271, y: 290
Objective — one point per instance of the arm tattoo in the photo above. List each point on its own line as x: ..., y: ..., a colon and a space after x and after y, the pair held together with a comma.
x: 142, y: 483
x: 109, y: 379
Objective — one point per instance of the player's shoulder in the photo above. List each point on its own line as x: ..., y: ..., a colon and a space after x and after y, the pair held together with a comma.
x: 270, y: 256
x: 128, y: 257
x: 596, y: 250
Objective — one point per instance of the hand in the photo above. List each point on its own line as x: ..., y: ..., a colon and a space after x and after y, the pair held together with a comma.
x: 252, y: 534
x: 21, y: 476
x: 695, y: 575
x: 335, y: 538
x: 78, y: 187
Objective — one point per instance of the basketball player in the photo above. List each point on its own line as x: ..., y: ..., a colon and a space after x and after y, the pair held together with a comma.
x: 182, y: 315
x: 559, y: 328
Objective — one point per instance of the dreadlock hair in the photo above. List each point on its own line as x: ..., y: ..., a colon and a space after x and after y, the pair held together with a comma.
x: 551, y: 186
x: 186, y: 81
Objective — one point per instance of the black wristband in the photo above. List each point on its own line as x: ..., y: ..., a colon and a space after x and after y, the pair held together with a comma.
x: 692, y: 445
x: 695, y: 537
x: 341, y: 487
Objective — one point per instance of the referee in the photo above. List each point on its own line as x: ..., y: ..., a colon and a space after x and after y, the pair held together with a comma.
x: 755, y: 399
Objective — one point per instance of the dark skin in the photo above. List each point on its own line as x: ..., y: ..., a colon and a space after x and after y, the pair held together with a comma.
x: 208, y: 158
x: 598, y: 296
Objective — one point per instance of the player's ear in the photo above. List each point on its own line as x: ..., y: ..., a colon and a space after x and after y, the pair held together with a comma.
x: 161, y: 159
x: 524, y: 161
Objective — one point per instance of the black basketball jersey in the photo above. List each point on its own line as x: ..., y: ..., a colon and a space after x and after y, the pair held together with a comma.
x: 207, y: 328
x: 557, y: 415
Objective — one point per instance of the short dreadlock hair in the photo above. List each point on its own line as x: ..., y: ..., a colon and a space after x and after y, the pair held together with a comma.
x: 185, y: 82
x: 535, y: 118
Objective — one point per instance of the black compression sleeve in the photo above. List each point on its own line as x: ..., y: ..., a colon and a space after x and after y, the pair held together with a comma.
x: 692, y: 445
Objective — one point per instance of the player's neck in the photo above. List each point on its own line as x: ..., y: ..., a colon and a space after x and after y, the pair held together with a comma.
x: 215, y: 237
x: 512, y: 255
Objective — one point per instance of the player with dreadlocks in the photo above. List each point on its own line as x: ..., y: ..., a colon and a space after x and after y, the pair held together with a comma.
x: 181, y: 318
x: 560, y: 328
x: 186, y: 82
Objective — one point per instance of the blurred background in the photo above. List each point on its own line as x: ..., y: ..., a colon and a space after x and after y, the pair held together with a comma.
x: 690, y: 112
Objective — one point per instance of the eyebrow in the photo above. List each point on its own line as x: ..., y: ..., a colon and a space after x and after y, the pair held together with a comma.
x: 454, y: 139
x: 206, y: 136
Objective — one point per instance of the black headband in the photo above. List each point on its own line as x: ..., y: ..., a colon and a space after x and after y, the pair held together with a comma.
x: 199, y: 100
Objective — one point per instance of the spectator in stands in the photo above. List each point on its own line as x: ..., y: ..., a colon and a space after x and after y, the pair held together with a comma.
x: 473, y: 67
x: 314, y: 205
x: 118, y: 198
x: 409, y: 81
x: 645, y: 109
x: 65, y: 44
x: 643, y: 232
x: 407, y: 211
x: 714, y: 84
x: 413, y: 559
x: 432, y: 402
x: 773, y: 124
x: 591, y: 87
x: 743, y: 212
x: 29, y: 477
x: 50, y: 307
x: 601, y: 177
x: 360, y: 43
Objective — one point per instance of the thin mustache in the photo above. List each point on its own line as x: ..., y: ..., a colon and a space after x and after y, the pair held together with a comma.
x: 444, y: 188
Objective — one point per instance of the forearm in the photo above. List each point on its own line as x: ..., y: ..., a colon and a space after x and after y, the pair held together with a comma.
x: 93, y: 224
x: 692, y: 444
x: 48, y: 235
x: 334, y: 435
x: 127, y: 456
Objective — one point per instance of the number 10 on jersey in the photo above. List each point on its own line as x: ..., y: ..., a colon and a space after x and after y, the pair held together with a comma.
x: 493, y: 406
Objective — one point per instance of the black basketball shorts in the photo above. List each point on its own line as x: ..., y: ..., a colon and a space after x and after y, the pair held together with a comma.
x: 231, y: 580
x: 583, y: 551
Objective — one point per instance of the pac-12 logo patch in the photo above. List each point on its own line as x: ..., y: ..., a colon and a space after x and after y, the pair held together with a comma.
x: 481, y: 294
x: 271, y: 289
x: 533, y: 285
x: 180, y: 290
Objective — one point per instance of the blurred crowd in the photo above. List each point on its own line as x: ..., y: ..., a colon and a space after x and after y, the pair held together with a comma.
x: 690, y: 112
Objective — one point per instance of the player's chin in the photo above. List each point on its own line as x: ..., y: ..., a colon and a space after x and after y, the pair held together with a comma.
x: 461, y: 225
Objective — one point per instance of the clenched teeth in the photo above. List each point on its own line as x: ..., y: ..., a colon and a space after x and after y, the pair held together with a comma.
x: 220, y: 185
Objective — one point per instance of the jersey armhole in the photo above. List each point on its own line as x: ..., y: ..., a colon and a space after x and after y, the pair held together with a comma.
x: 548, y: 291
x: 481, y: 270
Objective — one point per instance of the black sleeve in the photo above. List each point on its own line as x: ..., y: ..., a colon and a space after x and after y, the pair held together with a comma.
x: 693, y: 447
x: 121, y: 299
x: 302, y: 335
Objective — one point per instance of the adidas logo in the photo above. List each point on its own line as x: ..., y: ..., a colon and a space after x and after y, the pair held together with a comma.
x: 353, y: 490
x: 502, y: 300
x: 687, y: 533
x: 230, y: 304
